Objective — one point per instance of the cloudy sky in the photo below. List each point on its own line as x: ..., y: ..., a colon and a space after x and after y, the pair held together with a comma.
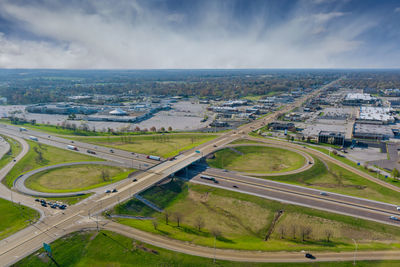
x: 129, y: 34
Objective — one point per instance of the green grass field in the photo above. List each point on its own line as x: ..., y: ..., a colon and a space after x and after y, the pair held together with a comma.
x: 76, y: 178
x: 14, y: 217
x: 40, y: 155
x: 159, y: 145
x: 15, y: 149
x: 244, y: 220
x: 105, y: 248
x: 257, y: 159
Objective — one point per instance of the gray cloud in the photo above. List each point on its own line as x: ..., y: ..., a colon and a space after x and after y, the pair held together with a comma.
x: 128, y: 34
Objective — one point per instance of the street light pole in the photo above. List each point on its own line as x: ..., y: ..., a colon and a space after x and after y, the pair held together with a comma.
x: 355, y: 251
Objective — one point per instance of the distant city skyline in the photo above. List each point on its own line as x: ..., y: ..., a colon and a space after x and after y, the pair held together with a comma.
x: 178, y: 34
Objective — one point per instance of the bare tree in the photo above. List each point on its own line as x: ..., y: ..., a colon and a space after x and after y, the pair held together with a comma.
x: 137, y: 129
x: 199, y: 222
x: 215, y: 232
x: 155, y: 223
x: 282, y: 231
x: 294, y: 229
x: 169, y: 129
x: 328, y: 234
x: 167, y: 214
x: 178, y: 217
x: 153, y: 129
x: 305, y: 232
x: 105, y: 175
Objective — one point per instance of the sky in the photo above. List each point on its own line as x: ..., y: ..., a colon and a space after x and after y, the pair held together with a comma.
x: 198, y: 34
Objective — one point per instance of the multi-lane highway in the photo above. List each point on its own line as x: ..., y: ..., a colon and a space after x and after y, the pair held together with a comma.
x: 85, y: 214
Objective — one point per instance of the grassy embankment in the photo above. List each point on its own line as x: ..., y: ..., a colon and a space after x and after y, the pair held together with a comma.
x: 257, y: 159
x: 14, y: 217
x: 105, y: 248
x: 76, y: 178
x: 15, y: 149
x: 166, y: 145
x: 242, y: 221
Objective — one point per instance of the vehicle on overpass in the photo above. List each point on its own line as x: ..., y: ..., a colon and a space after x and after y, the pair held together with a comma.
x: 153, y: 157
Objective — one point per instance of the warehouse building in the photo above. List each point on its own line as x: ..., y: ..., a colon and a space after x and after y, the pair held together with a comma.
x: 358, y: 99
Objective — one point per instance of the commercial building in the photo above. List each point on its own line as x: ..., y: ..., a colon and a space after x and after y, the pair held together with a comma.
x: 334, y: 138
x: 372, y: 132
x: 61, y: 108
x: 358, y: 99
x: 375, y: 115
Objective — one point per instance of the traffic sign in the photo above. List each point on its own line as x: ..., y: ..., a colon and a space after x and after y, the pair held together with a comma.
x: 47, y: 248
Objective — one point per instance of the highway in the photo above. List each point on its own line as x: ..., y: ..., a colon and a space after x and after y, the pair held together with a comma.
x: 303, y: 196
x: 85, y: 214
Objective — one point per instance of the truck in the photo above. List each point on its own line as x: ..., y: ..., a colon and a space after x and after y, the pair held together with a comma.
x: 22, y: 129
x: 72, y: 147
x: 153, y: 157
x: 206, y: 177
x: 33, y: 138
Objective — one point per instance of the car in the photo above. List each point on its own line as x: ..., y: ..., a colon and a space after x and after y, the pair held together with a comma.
x: 37, y: 200
x: 214, y: 145
x: 62, y: 207
x: 14, y: 160
x: 398, y: 208
x: 134, y: 180
x: 225, y: 170
x: 108, y: 191
x: 216, y: 181
x: 309, y: 256
x: 54, y: 206
x: 323, y: 193
x: 309, y: 162
x: 115, y: 190
x: 44, y: 204
x: 112, y: 151
x: 133, y: 153
x: 394, y: 218
x: 235, y: 186
x: 49, y: 136
x: 72, y: 142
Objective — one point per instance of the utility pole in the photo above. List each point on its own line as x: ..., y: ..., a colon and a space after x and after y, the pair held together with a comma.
x: 215, y: 240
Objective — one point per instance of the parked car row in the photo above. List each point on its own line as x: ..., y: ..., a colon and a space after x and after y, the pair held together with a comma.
x: 113, y: 191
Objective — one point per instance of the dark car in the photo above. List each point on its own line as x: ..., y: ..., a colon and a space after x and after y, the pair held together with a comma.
x: 112, y: 151
x: 235, y: 186
x: 37, y: 200
x: 44, y: 204
x: 115, y: 190
x: 53, y: 206
x: 309, y: 256
x: 63, y: 206
x: 108, y: 191
x: 134, y: 180
x: 72, y: 141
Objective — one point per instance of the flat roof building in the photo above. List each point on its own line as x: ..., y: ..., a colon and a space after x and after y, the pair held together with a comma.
x: 357, y: 99
x: 375, y: 115
x: 334, y: 138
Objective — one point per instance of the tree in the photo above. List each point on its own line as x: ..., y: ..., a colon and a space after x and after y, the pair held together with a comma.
x: 167, y: 214
x: 169, y: 129
x: 334, y: 152
x: 137, y: 129
x: 105, y: 175
x: 328, y: 234
x: 282, y: 231
x: 294, y: 228
x: 305, y: 232
x: 155, y: 223
x: 215, y: 232
x: 178, y: 218
x: 199, y: 222
x: 395, y: 173
x: 162, y: 129
x: 153, y: 129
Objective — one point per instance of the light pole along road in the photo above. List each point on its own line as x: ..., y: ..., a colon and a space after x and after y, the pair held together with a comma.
x: 53, y: 226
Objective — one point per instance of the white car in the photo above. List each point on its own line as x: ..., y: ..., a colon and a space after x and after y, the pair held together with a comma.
x: 394, y: 218
x: 398, y: 208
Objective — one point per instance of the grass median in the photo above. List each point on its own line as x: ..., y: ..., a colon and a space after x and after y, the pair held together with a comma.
x: 257, y: 159
x: 163, y: 145
x: 40, y: 155
x: 241, y: 221
x: 76, y: 178
x: 15, y: 149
